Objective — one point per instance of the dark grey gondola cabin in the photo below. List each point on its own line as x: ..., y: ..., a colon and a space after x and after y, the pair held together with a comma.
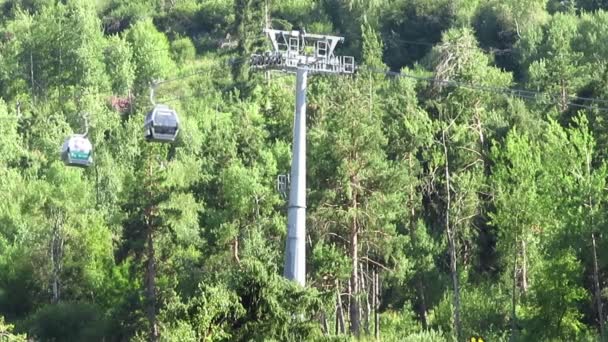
x: 162, y: 124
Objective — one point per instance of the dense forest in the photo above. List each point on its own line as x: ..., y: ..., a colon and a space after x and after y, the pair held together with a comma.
x: 456, y: 181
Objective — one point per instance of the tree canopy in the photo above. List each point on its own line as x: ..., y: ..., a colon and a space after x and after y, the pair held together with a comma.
x: 456, y: 180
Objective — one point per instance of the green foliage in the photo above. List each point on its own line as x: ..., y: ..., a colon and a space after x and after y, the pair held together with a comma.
x: 183, y: 50
x: 372, y: 48
x: 131, y: 11
x: 6, y: 332
x: 249, y: 19
x: 119, y: 65
x: 151, y: 55
x: 275, y: 307
x: 205, y: 316
x: 425, y: 336
x: 399, y: 325
x: 209, y: 24
x: 411, y: 27
x: 62, y: 45
x: 68, y: 321
x: 500, y: 25
x: 468, y: 198
x: 330, y: 263
x: 556, y: 289
x: 10, y: 149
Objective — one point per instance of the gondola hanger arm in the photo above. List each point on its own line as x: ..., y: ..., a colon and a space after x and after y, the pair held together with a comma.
x: 85, y: 116
x: 153, y: 85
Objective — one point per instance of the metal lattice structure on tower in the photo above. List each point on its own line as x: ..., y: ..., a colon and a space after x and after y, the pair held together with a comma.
x: 300, y: 52
x: 298, y: 49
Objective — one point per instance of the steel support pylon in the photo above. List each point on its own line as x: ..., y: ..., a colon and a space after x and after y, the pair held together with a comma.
x: 295, y: 258
x: 302, y: 53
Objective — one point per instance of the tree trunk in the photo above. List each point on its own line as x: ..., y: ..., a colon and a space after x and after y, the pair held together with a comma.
x: 563, y: 96
x: 376, y: 300
x: 354, y: 281
x: 366, y: 310
x: 524, y: 266
x: 57, y: 242
x: 479, y: 129
x: 324, y: 324
x: 451, y: 243
x: 150, y: 278
x: 452, y: 9
x: 418, y: 280
x: 514, y: 298
x: 150, y: 273
x: 339, y: 311
x: 32, y: 75
x: 596, y: 276
x: 235, y: 250
x: 97, y: 195
x: 420, y: 290
x: 598, y: 290
x: 266, y: 17
x: 337, y: 322
x: 456, y: 288
x: 56, y: 260
x: 423, y: 308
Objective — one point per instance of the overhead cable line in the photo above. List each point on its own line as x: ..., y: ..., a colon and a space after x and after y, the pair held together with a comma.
x: 491, y: 50
x: 179, y: 78
x: 521, y: 93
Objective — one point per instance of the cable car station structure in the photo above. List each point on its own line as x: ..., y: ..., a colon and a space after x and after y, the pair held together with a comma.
x: 302, y: 53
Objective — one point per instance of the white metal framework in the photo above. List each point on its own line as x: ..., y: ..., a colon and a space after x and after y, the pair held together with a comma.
x: 283, y: 185
x: 293, y: 49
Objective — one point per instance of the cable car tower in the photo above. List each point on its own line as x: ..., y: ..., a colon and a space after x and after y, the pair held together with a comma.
x: 302, y: 53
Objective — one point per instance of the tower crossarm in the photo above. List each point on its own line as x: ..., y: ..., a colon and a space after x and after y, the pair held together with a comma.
x: 298, y: 49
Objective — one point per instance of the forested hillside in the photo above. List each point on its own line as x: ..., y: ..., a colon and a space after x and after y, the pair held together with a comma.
x: 461, y: 170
